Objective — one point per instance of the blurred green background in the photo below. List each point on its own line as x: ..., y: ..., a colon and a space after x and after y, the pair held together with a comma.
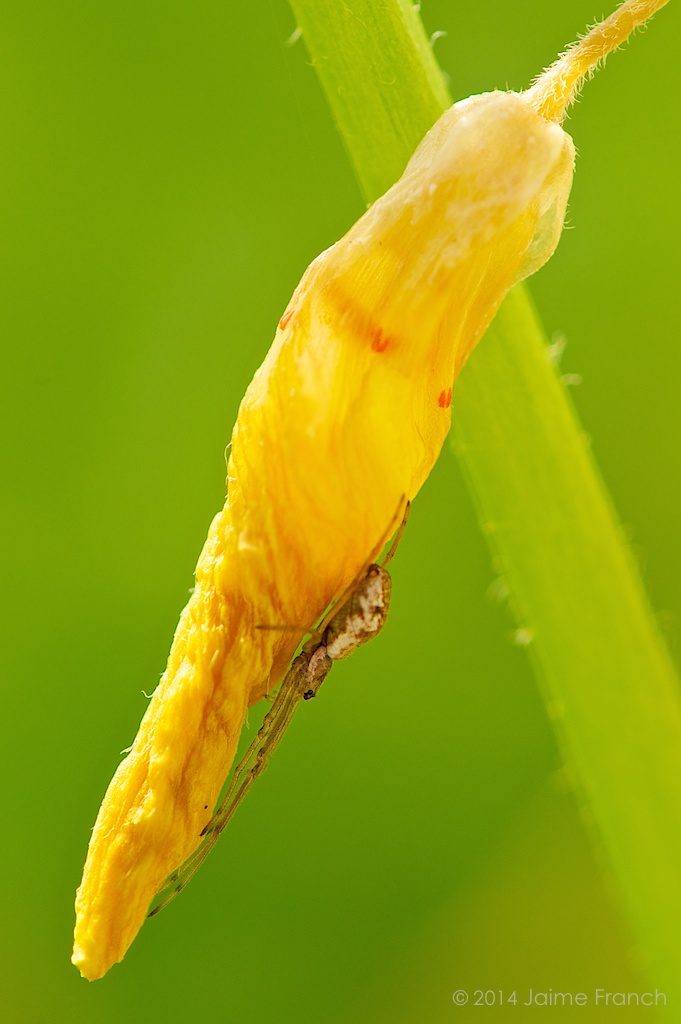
x: 168, y: 172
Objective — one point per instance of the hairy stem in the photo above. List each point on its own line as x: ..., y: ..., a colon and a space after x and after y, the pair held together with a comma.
x: 556, y: 88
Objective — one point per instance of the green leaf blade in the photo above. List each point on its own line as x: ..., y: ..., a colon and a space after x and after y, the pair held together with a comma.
x: 576, y: 592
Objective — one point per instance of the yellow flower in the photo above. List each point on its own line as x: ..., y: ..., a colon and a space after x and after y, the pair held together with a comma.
x: 343, y: 420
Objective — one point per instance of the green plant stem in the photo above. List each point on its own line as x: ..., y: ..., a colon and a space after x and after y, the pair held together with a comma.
x: 607, y: 678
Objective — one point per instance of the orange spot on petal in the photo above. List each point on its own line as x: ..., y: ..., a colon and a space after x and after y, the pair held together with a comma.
x: 444, y: 399
x: 285, y: 319
x: 379, y: 342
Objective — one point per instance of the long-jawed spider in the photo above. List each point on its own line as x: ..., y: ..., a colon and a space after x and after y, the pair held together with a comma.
x: 357, y: 616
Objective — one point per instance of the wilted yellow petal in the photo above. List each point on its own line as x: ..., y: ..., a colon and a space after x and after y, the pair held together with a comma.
x: 343, y: 420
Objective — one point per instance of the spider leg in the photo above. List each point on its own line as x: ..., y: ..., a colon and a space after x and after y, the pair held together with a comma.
x: 398, y: 521
x: 255, y: 760
x: 258, y: 754
x: 392, y: 550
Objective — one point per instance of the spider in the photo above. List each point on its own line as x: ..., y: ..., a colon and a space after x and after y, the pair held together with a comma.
x: 358, y: 616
